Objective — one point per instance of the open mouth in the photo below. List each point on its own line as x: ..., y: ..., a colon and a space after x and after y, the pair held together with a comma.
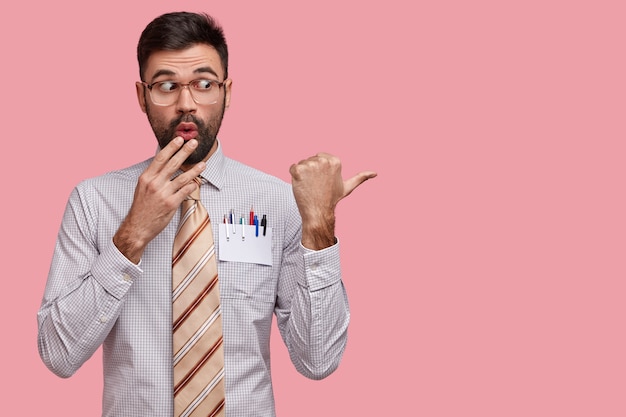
x: 187, y: 131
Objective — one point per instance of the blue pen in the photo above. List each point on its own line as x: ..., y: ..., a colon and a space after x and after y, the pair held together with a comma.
x: 256, y: 225
x: 243, y: 227
x: 232, y: 221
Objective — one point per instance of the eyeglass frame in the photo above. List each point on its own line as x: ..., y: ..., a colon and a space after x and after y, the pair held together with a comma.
x: 220, y: 84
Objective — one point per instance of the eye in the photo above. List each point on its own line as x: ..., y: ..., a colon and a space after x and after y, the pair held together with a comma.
x: 202, y: 84
x: 167, y: 86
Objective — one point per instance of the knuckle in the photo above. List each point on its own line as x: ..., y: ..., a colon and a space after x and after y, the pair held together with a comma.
x: 171, y: 204
x: 152, y: 187
x: 295, y: 171
x: 161, y: 157
x: 147, y: 182
x: 143, y: 179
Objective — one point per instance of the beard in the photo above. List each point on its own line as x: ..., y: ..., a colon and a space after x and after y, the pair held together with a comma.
x: 207, y: 132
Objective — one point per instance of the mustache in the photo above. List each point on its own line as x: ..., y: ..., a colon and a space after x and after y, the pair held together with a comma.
x: 186, y: 118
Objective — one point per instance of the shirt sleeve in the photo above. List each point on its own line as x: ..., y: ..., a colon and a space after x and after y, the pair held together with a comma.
x: 84, y: 293
x: 312, y: 309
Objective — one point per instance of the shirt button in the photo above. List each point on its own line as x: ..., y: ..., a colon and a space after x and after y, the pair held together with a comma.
x: 103, y: 319
x: 127, y: 278
x: 313, y: 267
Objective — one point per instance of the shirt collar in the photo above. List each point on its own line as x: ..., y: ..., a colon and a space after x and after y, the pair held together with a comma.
x: 214, y: 173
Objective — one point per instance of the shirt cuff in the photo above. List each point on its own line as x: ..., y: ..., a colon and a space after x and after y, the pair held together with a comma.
x: 114, y: 271
x: 322, y: 267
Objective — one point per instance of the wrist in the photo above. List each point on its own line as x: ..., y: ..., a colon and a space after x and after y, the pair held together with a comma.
x: 128, y: 244
x: 319, y: 234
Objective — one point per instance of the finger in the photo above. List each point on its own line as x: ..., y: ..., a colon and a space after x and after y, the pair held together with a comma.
x: 350, y: 184
x: 293, y: 170
x: 317, y: 163
x: 165, y: 154
x: 186, y: 178
x: 185, y: 191
x: 178, y: 159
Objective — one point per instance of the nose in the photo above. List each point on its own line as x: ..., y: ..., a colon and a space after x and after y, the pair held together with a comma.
x: 186, y: 103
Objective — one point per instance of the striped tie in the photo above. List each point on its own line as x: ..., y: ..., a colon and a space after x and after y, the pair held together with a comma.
x: 197, y: 317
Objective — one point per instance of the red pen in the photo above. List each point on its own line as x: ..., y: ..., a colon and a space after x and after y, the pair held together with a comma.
x: 251, y: 215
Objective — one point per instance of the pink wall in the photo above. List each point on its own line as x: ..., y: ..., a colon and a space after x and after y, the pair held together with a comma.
x: 495, y: 227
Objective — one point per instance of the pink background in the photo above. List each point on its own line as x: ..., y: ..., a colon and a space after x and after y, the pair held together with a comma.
x: 495, y: 229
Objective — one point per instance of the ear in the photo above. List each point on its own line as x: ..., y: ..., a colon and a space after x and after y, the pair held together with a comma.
x: 228, y: 84
x: 141, y: 96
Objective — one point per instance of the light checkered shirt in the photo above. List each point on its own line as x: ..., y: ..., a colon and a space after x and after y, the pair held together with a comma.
x: 95, y: 296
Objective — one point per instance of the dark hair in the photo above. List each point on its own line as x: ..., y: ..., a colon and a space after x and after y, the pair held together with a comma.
x: 180, y: 30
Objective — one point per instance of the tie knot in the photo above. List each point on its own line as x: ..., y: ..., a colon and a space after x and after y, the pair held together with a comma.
x: 195, y: 194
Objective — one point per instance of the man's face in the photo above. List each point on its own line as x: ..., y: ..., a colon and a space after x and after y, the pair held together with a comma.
x: 185, y: 117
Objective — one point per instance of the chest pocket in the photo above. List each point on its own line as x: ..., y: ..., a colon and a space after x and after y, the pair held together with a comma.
x: 247, y: 281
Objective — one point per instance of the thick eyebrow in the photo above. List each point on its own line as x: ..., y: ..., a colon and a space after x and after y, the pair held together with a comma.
x: 201, y: 70
x: 162, y: 72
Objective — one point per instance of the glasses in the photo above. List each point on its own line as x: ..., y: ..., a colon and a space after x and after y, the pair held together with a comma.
x: 166, y: 93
